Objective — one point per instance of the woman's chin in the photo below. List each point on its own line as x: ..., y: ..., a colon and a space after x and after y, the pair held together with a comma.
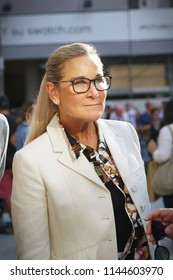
x: 95, y: 116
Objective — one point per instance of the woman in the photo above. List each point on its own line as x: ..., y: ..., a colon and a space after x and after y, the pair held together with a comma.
x: 4, y: 134
x: 162, y: 151
x: 77, y: 176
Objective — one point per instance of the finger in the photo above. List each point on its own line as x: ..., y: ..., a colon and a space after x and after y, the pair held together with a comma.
x: 158, y: 214
x: 148, y: 229
x: 169, y: 231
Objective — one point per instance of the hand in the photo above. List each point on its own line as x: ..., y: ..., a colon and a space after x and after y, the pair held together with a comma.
x: 151, y: 146
x: 164, y: 215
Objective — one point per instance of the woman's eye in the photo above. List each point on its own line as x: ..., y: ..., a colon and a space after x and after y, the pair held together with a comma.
x: 100, y: 80
x: 79, y: 82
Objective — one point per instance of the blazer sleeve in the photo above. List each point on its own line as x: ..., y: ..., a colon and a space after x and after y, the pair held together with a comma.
x: 4, y: 136
x: 29, y: 210
x: 164, y: 148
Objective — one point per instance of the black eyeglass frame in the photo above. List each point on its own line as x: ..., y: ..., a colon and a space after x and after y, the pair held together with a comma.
x: 90, y: 81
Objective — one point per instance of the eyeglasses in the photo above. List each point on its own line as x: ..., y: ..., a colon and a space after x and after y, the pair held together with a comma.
x: 82, y: 85
x: 158, y: 231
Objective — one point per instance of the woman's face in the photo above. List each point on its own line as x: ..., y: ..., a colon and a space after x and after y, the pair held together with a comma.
x: 84, y: 107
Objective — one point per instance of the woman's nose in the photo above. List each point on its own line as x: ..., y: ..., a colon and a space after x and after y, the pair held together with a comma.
x: 92, y: 90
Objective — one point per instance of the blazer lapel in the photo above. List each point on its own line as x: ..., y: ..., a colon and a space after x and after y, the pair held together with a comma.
x: 61, y: 148
x: 81, y: 166
x: 117, y: 148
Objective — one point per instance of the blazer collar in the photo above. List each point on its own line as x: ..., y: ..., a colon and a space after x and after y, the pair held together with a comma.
x: 55, y: 132
x: 62, y: 147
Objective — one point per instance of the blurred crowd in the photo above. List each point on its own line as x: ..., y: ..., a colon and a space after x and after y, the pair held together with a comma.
x: 18, y: 120
x: 147, y: 122
x: 154, y: 126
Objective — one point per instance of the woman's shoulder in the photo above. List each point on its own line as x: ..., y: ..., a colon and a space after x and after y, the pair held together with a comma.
x: 36, y: 146
x: 3, y: 121
x: 4, y: 127
x: 117, y: 125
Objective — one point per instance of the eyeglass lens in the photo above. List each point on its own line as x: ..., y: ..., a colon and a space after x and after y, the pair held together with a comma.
x: 158, y: 231
x: 161, y: 253
x: 83, y: 84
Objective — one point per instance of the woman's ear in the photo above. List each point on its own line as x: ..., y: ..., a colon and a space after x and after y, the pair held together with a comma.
x: 53, y: 93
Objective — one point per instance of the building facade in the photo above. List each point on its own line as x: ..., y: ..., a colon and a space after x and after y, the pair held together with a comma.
x: 134, y: 39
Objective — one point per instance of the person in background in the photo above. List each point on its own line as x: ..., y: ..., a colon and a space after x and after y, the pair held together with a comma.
x: 144, y: 129
x: 162, y: 108
x: 162, y: 150
x: 163, y: 215
x: 79, y: 186
x: 107, y: 112
x: 156, y: 124
x: 117, y: 113
x: 23, y: 123
x: 6, y: 181
x: 4, y: 136
x: 130, y: 114
x: 145, y: 117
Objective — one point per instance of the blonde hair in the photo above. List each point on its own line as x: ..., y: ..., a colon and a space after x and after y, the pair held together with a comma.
x: 45, y: 109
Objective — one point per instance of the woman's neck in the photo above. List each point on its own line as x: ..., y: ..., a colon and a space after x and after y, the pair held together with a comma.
x: 86, y: 134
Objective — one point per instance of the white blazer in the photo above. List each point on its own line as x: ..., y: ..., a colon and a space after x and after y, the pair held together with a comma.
x: 4, y: 135
x: 60, y: 207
